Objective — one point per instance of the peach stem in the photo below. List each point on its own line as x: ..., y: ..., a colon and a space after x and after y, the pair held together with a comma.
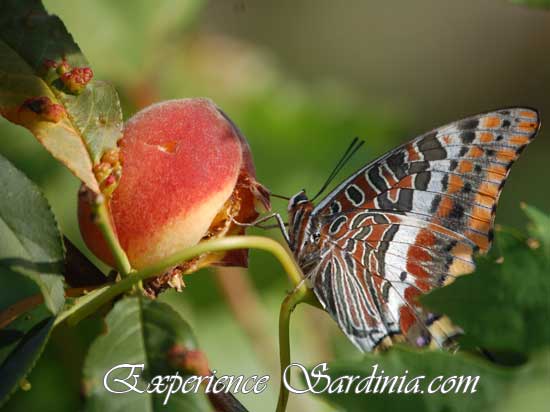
x: 103, y: 221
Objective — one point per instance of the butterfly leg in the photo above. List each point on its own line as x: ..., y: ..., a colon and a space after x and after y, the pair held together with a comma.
x: 258, y: 223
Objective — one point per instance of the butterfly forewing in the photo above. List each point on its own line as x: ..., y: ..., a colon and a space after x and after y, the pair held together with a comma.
x: 409, y: 222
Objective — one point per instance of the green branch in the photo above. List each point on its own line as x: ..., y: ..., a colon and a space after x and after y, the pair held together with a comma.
x: 288, y: 305
x: 94, y: 300
x: 229, y: 243
x: 103, y: 221
x: 302, y: 294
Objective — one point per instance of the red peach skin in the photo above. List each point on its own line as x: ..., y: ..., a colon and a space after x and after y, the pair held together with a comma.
x: 186, y: 173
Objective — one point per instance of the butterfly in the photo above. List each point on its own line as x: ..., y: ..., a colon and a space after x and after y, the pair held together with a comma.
x: 405, y: 224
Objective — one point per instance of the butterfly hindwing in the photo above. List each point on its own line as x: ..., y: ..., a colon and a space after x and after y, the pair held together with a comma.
x: 399, y: 257
x: 343, y: 294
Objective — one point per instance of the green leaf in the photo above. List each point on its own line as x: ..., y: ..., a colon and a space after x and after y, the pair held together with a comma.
x: 493, y: 385
x: 22, y: 342
x: 93, y: 122
x: 30, y: 241
x: 504, y: 305
x: 139, y: 331
x: 31, y: 256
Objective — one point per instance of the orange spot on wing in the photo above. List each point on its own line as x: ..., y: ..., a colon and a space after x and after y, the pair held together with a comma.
x: 394, y: 218
x: 455, y: 184
x: 484, y: 200
x: 465, y: 166
x: 479, y: 225
x: 491, y: 122
x: 406, y: 182
x: 413, y: 154
x: 445, y: 207
x: 486, y: 137
x: 475, y: 152
x: 416, y: 270
x: 529, y: 114
x: 489, y: 189
x: 426, y: 238
x: 506, y: 155
x: 462, y: 250
x: 497, y: 169
x: 519, y: 139
x: 369, y: 204
x: 406, y: 318
x: 480, y: 240
x: 423, y: 285
x: 527, y: 126
x: 411, y: 294
x: 494, y: 177
x: 447, y: 139
x: 480, y: 214
x: 418, y: 253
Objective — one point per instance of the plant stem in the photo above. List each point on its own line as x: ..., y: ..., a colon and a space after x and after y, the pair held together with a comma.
x: 104, y: 223
x: 301, y: 294
x: 94, y: 300
x: 288, y: 305
x: 229, y: 243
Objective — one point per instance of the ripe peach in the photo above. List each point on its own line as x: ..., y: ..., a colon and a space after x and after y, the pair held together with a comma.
x: 187, y: 172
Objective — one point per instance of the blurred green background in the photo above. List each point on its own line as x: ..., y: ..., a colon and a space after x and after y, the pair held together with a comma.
x: 301, y: 78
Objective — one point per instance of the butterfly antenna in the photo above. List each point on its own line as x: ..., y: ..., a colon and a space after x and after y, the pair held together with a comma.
x: 348, y: 154
x: 279, y: 196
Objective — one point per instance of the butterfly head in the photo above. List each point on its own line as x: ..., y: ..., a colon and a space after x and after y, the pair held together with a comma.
x: 298, y: 199
x: 299, y: 213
